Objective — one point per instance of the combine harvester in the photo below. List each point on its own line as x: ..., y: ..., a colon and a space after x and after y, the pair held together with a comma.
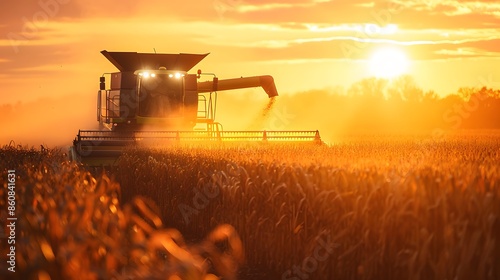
x: 153, y: 99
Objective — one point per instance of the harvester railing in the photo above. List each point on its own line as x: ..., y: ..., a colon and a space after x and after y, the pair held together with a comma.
x: 96, y: 147
x: 138, y: 136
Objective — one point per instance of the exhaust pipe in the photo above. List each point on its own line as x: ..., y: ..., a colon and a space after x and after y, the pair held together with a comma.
x: 266, y: 82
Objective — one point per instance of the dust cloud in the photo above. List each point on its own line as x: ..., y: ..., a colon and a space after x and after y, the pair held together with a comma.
x: 51, y: 122
x: 369, y: 107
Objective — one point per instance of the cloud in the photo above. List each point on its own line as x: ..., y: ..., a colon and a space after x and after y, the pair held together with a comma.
x: 35, y: 59
x: 22, y: 16
x: 244, y: 7
x: 453, y: 7
x: 461, y: 52
x: 485, y: 48
x: 308, y: 40
x: 68, y: 43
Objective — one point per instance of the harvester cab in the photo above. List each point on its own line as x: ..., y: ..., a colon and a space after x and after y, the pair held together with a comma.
x: 151, y: 91
x: 154, y: 98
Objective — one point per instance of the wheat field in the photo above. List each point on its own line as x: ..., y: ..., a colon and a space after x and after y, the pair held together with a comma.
x: 390, y: 207
x: 72, y: 225
x: 365, y: 207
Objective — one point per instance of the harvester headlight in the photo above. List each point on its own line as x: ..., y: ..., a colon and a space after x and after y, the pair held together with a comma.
x: 170, y: 75
x: 153, y: 75
x: 145, y: 74
x: 178, y: 75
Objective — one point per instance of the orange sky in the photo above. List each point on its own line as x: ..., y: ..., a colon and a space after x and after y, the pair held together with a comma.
x: 51, y: 48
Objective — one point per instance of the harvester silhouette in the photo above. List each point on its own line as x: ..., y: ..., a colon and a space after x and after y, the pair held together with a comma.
x: 154, y: 99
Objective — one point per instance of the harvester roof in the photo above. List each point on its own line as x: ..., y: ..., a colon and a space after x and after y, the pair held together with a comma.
x: 131, y: 61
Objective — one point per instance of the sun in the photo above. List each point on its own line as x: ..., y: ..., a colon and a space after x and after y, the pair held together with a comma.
x: 388, y: 63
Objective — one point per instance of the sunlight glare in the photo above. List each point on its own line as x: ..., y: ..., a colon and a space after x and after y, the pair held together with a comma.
x: 388, y: 63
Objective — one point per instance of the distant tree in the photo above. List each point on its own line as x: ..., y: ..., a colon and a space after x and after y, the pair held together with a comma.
x: 466, y: 92
x: 370, y: 87
x: 355, y: 89
x: 430, y: 97
x: 337, y: 90
x: 496, y: 94
x: 488, y: 92
x: 406, y: 88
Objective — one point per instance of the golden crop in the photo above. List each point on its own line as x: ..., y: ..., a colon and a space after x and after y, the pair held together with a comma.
x: 390, y: 208
x: 375, y: 207
x: 72, y: 226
